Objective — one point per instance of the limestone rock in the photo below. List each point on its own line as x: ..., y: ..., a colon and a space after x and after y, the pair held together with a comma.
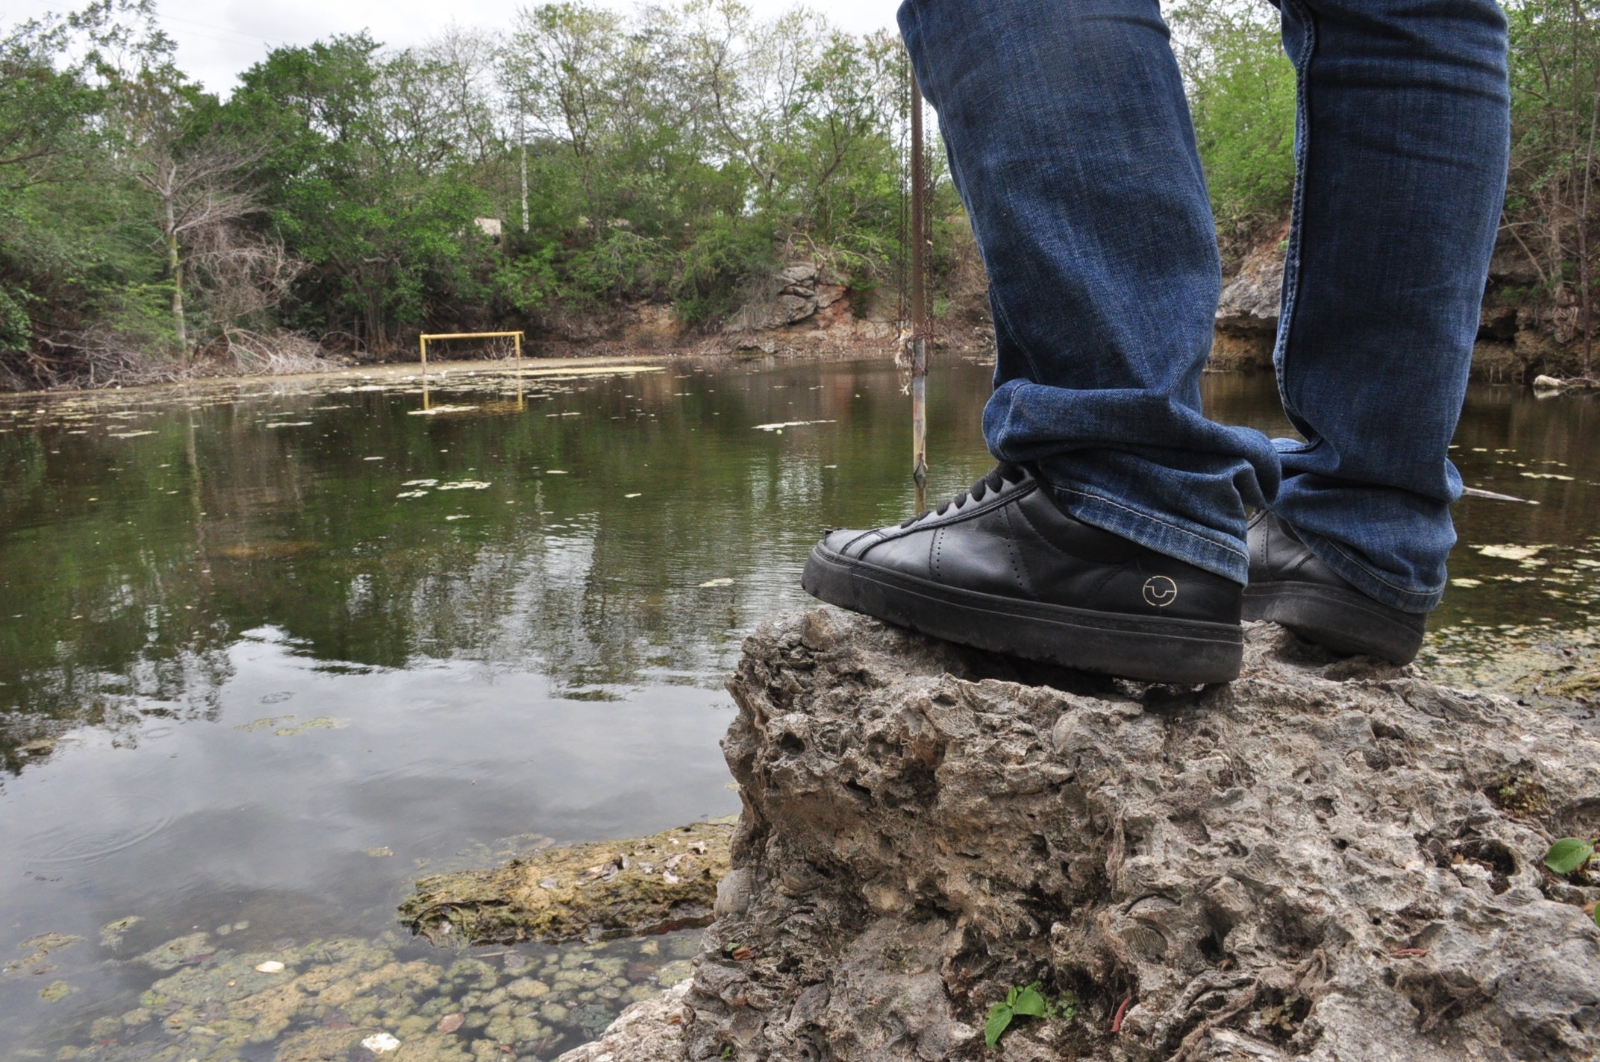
x: 605, y: 889
x: 648, y: 1031
x: 828, y: 294
x: 798, y: 273
x: 790, y: 297
x: 793, y: 306
x: 1324, y: 860
x: 1249, y: 302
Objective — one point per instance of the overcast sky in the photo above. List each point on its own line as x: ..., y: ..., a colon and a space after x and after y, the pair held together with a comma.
x: 219, y: 38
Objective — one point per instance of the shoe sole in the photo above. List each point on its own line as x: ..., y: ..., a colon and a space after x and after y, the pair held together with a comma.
x: 1344, y: 621
x: 1153, y: 649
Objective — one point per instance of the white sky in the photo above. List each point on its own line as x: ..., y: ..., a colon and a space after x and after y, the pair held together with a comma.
x: 219, y: 38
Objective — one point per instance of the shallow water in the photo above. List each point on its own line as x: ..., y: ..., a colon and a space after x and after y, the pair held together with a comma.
x: 269, y: 651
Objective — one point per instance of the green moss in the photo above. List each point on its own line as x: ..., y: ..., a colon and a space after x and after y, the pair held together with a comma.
x: 1520, y: 796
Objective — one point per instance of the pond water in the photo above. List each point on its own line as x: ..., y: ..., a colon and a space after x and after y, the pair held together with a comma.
x: 270, y: 651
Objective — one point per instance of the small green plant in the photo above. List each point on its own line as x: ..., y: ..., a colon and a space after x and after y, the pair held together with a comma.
x: 1569, y: 854
x: 1520, y: 795
x: 1026, y: 1002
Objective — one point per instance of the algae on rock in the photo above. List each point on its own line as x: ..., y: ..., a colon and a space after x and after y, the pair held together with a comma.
x: 1310, y: 863
x: 586, y: 891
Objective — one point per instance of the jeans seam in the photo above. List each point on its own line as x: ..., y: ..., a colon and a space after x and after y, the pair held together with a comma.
x: 1375, y: 575
x: 1291, y: 263
x: 1004, y: 320
x: 1155, y: 519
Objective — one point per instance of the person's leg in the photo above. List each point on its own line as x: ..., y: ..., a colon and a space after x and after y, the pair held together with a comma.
x: 1402, y: 144
x: 1069, y: 140
x: 1111, y: 536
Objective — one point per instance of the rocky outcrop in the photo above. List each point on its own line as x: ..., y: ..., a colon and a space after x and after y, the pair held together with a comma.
x: 1518, y: 337
x: 795, y: 293
x: 1247, y: 312
x: 579, y: 892
x: 1324, y: 860
x: 1249, y: 302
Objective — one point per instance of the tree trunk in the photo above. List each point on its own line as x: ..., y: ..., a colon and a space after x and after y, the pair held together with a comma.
x: 175, y: 267
x: 522, y: 139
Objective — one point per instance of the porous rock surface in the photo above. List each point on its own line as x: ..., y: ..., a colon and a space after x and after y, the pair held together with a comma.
x: 1324, y: 860
x: 579, y: 892
x: 649, y: 1031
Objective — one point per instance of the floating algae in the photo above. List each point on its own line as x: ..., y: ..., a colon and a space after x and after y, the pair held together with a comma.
x: 319, y: 723
x: 267, y: 723
x: 111, y: 932
x: 42, y: 945
x: 175, y: 953
x: 1535, y: 664
x: 586, y: 891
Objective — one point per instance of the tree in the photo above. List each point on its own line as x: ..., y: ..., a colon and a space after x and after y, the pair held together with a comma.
x: 201, y: 186
x: 1242, y: 97
x: 44, y: 111
x: 1555, y: 83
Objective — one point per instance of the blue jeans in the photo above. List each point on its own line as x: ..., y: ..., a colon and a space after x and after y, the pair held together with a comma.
x: 1069, y: 140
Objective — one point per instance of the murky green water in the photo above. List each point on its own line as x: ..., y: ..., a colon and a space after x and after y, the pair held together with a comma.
x: 268, y: 652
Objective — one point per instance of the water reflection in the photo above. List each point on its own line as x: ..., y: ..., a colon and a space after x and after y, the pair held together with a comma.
x: 573, y: 540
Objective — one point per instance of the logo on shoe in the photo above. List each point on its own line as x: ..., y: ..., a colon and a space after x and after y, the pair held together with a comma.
x: 1160, y: 591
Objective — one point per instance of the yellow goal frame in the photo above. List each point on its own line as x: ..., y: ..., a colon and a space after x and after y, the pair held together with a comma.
x: 470, y: 335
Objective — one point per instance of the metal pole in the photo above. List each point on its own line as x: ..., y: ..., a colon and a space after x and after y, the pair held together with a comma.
x: 919, y: 298
x: 517, y: 338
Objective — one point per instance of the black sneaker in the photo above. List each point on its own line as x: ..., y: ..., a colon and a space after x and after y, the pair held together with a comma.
x: 1289, y: 585
x: 1002, y: 567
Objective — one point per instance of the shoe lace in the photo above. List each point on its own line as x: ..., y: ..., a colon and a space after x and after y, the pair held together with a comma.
x: 996, y: 478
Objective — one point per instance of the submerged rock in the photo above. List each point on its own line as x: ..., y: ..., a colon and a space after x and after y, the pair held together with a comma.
x: 324, y: 1000
x: 1318, y: 861
x: 175, y: 953
x: 586, y: 891
x: 648, y: 1031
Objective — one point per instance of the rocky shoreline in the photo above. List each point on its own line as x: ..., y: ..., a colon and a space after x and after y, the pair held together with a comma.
x: 1518, y: 341
x: 1323, y: 860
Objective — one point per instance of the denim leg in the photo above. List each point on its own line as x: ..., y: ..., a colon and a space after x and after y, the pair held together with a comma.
x: 1070, y: 143
x: 1402, y: 143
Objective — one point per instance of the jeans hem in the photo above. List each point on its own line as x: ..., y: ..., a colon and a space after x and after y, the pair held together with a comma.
x: 1372, y: 583
x: 1226, y: 559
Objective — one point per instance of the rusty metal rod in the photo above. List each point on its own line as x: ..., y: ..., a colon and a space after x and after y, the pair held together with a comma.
x: 919, y: 296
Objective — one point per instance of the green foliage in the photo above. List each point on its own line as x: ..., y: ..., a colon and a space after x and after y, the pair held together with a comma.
x: 1242, y: 97
x: 1520, y: 795
x: 1550, y: 195
x: 1569, y: 854
x: 718, y: 264
x: 526, y: 282
x: 1027, y: 1001
x: 16, y: 329
x: 674, y: 154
